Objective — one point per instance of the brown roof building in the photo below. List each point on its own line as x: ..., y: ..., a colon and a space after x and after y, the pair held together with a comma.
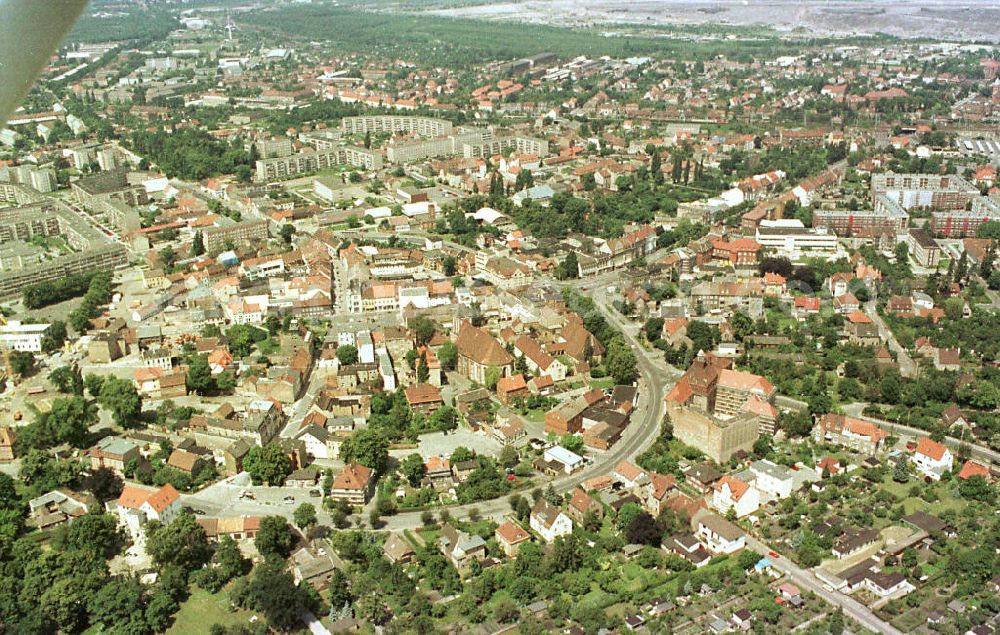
x: 478, y: 351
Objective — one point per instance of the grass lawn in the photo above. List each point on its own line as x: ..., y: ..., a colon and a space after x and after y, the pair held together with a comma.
x: 203, y: 609
x: 603, y: 383
x: 536, y: 415
x: 910, y: 620
x: 946, y: 499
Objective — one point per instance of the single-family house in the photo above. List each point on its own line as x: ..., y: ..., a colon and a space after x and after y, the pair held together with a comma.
x: 549, y: 521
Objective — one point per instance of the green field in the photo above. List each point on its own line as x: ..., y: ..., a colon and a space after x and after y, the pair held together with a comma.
x: 203, y: 609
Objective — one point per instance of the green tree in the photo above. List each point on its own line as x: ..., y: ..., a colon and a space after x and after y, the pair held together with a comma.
x: 836, y: 625
x: 621, y: 362
x: 347, y: 354
x: 160, y: 611
x: 901, y: 471
x: 569, y: 268
x: 67, y: 421
x: 976, y: 488
x: 367, y: 446
x: 121, y: 398
x: 22, y: 362
x: 626, y: 514
x: 274, y: 537
x: 449, y: 266
x: 197, y: 245
x: 448, y: 355
x: 653, y: 329
x: 509, y: 456
x: 492, y: 376
x: 182, y: 542
x: 118, y: 605
x: 423, y: 329
x: 891, y: 386
x: 268, y: 464
x: 67, y: 379
x: 304, y: 515
x: 524, y: 180
x: 413, y: 469
x: 241, y: 337
x: 572, y: 443
x: 286, y: 232
x: 95, y: 532
x: 272, y: 591
x: 93, y: 383
x: 54, y: 336
x: 199, y: 375
x: 742, y: 325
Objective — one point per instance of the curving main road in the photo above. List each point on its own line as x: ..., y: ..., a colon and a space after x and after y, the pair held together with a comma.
x: 655, y: 378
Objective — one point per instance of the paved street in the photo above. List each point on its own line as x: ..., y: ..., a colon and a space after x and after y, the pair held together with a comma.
x: 907, y: 367
x: 804, y: 579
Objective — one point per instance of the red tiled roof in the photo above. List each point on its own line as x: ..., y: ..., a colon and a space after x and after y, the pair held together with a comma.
x: 737, y: 488
x: 971, y: 468
x: 353, y: 476
x: 628, y: 470
x: 512, y: 534
x: 930, y: 448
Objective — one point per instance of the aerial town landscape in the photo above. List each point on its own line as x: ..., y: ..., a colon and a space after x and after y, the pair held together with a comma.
x: 435, y: 316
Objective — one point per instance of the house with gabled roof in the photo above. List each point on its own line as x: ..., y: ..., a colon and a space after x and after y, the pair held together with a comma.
x: 718, y: 534
x: 630, y: 475
x: 425, y: 398
x: 660, y: 488
x: 857, y: 434
x: 730, y: 492
x: 398, y: 549
x: 972, y: 468
x: 580, y: 503
x: 549, y: 521
x: 58, y: 507
x: 354, y: 484
x: 510, y: 536
x: 478, y: 351
x: 461, y: 548
x: 932, y: 459
x: 953, y: 416
x: 137, y: 506
x: 511, y: 388
x: 539, y: 361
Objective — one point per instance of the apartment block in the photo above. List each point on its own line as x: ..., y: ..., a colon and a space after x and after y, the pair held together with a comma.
x: 48, y: 218
x: 927, y: 191
x: 923, y: 248
x: 887, y: 217
x: 304, y: 162
x: 962, y: 223
x: 423, y: 126
x: 245, y: 233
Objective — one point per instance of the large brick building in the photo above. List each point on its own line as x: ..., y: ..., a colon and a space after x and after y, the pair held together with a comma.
x: 478, y: 351
x: 720, y: 411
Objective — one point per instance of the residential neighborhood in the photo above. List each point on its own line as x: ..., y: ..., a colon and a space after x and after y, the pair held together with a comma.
x: 322, y: 317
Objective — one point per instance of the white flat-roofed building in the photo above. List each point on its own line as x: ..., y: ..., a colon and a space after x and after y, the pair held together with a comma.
x: 570, y: 460
x: 15, y: 336
x: 789, y: 237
